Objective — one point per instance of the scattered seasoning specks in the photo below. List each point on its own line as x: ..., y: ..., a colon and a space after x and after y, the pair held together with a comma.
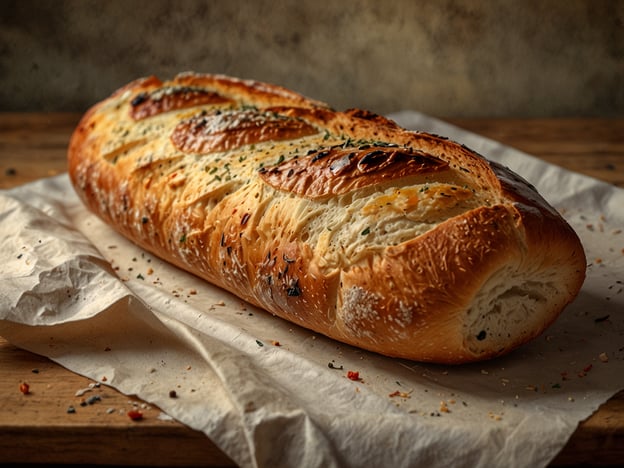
x: 585, y: 370
x: 93, y: 399
x: 135, y: 415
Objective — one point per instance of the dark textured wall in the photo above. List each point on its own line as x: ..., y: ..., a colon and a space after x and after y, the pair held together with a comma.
x: 446, y: 58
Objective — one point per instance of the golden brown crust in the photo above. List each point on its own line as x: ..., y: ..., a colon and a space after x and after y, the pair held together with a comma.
x: 399, y: 242
x: 226, y: 131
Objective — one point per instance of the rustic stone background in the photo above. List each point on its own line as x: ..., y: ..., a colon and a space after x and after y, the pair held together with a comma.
x: 468, y: 58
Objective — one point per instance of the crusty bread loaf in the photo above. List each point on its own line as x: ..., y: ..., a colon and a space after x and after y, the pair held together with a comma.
x: 399, y: 242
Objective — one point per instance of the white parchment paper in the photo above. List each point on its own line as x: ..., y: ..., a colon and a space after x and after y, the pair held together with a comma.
x: 269, y: 393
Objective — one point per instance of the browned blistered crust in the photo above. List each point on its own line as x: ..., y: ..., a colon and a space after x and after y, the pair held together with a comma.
x: 337, y: 170
x: 399, y: 242
x: 224, y: 131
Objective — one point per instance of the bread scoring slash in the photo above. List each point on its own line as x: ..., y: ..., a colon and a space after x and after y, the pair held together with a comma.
x: 399, y: 242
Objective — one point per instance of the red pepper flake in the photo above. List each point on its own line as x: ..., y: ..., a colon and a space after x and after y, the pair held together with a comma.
x: 353, y: 375
x: 135, y: 415
x: 585, y: 370
x: 24, y: 388
x: 276, y: 343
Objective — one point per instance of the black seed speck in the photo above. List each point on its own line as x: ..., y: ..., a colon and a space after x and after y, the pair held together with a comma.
x: 293, y: 290
x: 139, y: 99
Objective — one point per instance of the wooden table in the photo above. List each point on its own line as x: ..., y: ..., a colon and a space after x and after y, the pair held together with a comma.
x: 36, y: 428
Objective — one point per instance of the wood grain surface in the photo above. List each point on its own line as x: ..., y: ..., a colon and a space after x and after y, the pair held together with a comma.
x: 36, y: 428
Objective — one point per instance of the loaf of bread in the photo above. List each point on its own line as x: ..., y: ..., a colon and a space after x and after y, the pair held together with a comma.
x: 399, y: 242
